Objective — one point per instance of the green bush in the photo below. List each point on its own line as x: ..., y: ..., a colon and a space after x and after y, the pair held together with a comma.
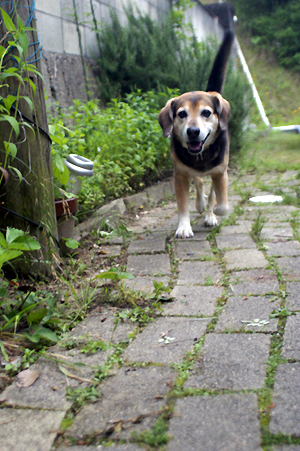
x: 238, y: 93
x: 274, y: 25
x: 125, y: 142
x: 147, y: 55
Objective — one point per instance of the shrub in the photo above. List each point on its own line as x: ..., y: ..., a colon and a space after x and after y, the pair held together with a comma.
x: 148, y: 56
x: 124, y: 141
x: 274, y: 25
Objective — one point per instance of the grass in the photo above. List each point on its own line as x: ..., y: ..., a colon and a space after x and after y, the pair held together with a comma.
x: 278, y: 88
x: 276, y: 151
x: 280, y: 95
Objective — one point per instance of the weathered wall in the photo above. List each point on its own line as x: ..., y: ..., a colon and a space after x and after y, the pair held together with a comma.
x: 62, y: 66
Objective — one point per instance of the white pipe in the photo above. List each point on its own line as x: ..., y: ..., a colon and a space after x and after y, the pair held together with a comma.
x: 253, y: 87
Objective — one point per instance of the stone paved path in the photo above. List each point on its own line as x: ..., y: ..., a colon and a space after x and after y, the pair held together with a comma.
x: 217, y: 370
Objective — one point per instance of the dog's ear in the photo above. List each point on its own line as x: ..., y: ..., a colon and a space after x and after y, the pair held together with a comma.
x: 222, y: 109
x: 166, y: 117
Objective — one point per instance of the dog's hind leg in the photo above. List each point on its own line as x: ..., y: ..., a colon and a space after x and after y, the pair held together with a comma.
x: 220, y: 183
x: 210, y: 218
x: 200, y: 199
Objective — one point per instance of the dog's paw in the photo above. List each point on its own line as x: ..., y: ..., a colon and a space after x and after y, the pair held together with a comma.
x: 210, y: 220
x: 221, y: 210
x: 184, y: 231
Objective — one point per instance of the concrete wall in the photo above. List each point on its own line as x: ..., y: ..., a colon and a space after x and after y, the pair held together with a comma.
x: 62, y: 66
x: 55, y: 21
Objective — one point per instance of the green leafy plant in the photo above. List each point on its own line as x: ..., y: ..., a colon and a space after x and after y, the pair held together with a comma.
x: 34, y: 314
x: 114, y: 274
x: 80, y: 396
x: 92, y: 346
x: 14, y: 244
x: 19, y: 73
x: 140, y: 316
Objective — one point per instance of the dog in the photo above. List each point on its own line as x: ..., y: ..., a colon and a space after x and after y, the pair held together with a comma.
x: 197, y: 123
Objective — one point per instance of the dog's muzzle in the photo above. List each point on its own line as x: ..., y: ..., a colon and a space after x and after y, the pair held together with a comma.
x: 195, y: 146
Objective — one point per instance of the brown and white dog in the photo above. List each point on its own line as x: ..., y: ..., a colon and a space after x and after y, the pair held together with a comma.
x: 198, y: 124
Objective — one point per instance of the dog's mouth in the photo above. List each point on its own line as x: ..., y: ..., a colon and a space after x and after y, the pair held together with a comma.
x: 195, y: 147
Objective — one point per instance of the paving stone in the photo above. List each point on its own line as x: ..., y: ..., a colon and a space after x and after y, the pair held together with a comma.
x: 286, y: 448
x: 23, y: 429
x: 141, y: 265
x: 193, y: 301
x: 253, y: 281
x: 245, y: 258
x: 293, y: 295
x: 170, y: 225
x: 157, y: 244
x: 276, y: 233
x: 244, y: 228
x: 237, y: 241
x: 49, y: 390
x: 108, y: 251
x: 101, y: 326
x: 132, y: 393
x: 215, y: 423
x: 290, y: 267
x: 191, y: 250
x: 285, y: 416
x: 201, y: 232
x: 192, y: 273
x: 147, y: 348
x: 231, y: 361
x: 126, y: 447
x: 291, y: 338
x: 274, y: 214
x: 284, y: 249
x: 112, y: 240
x: 145, y: 283
x: 240, y: 309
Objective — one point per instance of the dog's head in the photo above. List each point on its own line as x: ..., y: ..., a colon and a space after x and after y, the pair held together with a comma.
x: 195, y: 118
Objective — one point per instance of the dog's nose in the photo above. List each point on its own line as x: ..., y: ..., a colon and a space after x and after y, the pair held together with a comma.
x: 193, y: 132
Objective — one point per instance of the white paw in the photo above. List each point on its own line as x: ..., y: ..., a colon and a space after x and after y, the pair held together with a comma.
x: 184, y: 231
x: 210, y: 220
x: 221, y: 210
x: 201, y: 204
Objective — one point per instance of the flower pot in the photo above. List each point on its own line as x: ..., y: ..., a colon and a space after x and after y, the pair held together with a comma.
x: 66, y: 207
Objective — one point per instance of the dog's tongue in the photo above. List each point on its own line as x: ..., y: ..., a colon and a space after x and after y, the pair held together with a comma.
x: 195, y: 145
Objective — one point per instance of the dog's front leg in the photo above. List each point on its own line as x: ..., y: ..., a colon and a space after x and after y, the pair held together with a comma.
x: 181, y: 183
x: 220, y: 183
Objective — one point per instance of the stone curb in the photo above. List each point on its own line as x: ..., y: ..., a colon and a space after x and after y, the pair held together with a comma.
x: 118, y: 207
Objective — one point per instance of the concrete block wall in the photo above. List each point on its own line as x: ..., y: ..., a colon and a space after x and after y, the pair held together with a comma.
x: 57, y: 28
x: 61, y: 63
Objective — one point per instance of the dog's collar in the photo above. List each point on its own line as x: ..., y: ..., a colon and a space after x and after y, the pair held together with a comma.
x: 195, y: 154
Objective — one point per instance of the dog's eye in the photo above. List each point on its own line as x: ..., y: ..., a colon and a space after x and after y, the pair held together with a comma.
x: 206, y: 113
x: 182, y: 114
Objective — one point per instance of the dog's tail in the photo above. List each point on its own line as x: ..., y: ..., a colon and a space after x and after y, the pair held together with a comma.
x: 217, y: 75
